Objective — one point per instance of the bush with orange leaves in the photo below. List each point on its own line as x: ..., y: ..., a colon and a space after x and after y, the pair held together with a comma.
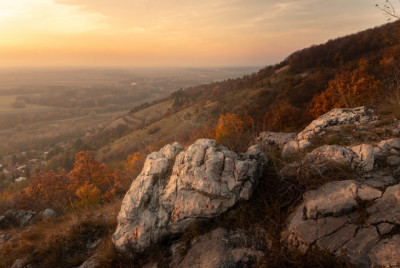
x: 133, y: 164
x: 283, y: 116
x: 88, y: 194
x: 235, y: 131
x: 347, y: 89
x: 88, y: 169
x: 49, y: 190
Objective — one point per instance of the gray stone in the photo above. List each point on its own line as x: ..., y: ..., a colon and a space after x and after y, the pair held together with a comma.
x: 386, y: 208
x: 365, y: 193
x: 335, y: 198
x: 393, y: 160
x: 336, y: 117
x: 336, y: 240
x: 341, y: 155
x: 49, y: 213
x: 272, y: 140
x: 380, y: 182
x: 331, y: 218
x: 170, y: 194
x: 385, y: 228
x: 290, y: 148
x: 221, y: 249
x: 91, y: 262
x: 20, y: 216
x: 357, y: 249
x: 19, y: 263
x: 386, y: 253
x: 388, y: 145
x: 366, y: 156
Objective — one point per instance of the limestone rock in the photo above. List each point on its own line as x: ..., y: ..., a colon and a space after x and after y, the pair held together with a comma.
x: 332, y: 218
x: 222, y: 249
x: 390, y: 144
x: 380, y: 182
x: 366, y: 156
x: 273, y: 140
x: 393, y: 160
x: 49, y: 213
x: 177, y: 187
x: 336, y: 198
x: 359, y: 157
x: 357, y: 248
x: 386, y: 253
x: 342, y: 116
x: 335, y: 117
x: 20, y: 217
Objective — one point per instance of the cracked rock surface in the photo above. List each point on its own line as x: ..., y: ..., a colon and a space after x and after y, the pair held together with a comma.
x: 350, y: 219
x: 177, y: 187
x: 221, y: 249
x: 336, y: 117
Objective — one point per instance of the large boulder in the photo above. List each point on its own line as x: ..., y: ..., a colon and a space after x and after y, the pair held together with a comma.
x: 229, y: 249
x: 360, y: 157
x: 176, y: 188
x: 335, y: 117
x: 350, y: 219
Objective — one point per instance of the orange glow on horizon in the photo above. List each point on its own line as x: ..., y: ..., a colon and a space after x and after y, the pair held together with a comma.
x: 177, y: 33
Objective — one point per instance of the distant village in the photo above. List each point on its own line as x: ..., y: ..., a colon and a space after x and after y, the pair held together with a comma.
x: 21, y: 166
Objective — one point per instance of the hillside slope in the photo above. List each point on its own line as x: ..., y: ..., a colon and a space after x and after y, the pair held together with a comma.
x: 285, y: 96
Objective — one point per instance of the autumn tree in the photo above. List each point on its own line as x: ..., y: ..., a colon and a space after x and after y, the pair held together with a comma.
x: 133, y: 165
x: 282, y: 117
x: 88, y: 194
x: 347, y: 89
x: 49, y: 190
x: 87, y: 169
x: 234, y: 131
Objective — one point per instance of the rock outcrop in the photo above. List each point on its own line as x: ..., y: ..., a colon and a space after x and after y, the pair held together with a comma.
x: 177, y: 187
x: 335, y: 117
x: 18, y: 218
x: 359, y: 157
x: 273, y: 141
x: 350, y: 219
x: 229, y: 249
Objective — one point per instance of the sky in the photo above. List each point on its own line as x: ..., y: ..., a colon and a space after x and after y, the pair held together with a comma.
x: 172, y: 32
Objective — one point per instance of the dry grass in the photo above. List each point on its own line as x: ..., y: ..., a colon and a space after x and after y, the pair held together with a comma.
x: 44, y: 241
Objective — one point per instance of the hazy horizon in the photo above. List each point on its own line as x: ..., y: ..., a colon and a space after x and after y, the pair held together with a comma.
x: 155, y: 33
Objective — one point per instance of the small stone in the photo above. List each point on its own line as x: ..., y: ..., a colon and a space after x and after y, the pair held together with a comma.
x: 385, y: 228
x: 368, y: 193
x: 49, y: 213
x: 393, y: 160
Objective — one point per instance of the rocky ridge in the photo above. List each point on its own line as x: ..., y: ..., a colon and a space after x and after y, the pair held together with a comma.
x: 357, y: 220
x: 177, y: 187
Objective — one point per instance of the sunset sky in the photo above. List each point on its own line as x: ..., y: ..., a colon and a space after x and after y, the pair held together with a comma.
x: 172, y: 32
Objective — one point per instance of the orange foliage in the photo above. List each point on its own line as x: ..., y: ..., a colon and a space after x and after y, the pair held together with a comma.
x: 134, y: 162
x: 347, y: 89
x: 284, y: 117
x: 87, y: 169
x: 88, y: 194
x: 234, y: 131
x: 48, y: 190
